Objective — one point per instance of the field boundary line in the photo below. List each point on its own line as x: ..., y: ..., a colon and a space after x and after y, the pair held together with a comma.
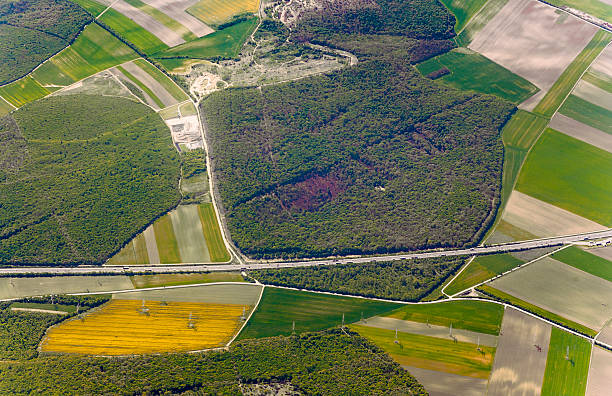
x: 263, y: 287
x: 472, y: 17
x: 9, y: 103
x: 106, y: 9
x: 120, y: 291
x: 456, y: 275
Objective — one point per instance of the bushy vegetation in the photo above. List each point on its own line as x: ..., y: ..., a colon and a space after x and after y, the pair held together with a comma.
x: 407, y: 280
x: 194, y: 163
x: 329, y: 363
x: 94, y: 172
x: 33, y: 30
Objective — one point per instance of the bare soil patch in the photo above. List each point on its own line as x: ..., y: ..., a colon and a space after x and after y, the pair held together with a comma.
x: 520, y: 360
x: 581, y: 131
x: 603, y: 64
x: 153, y: 253
x: 603, y: 252
x: 600, y: 373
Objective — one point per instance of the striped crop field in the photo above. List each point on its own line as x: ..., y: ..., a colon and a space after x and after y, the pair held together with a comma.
x: 123, y: 327
x: 216, y: 12
x: 23, y: 91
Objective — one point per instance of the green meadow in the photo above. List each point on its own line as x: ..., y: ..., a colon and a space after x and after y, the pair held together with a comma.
x: 587, y: 113
x: 132, y: 32
x: 585, y: 261
x: 481, y: 269
x: 566, y: 373
x: 23, y: 91
x: 463, y: 10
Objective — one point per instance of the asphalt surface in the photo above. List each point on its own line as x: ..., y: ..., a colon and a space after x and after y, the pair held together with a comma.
x: 194, y: 267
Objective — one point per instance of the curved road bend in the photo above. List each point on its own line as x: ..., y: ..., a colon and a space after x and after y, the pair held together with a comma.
x: 193, y: 267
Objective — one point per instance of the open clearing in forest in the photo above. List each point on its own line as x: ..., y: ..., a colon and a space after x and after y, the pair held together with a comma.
x: 26, y: 287
x: 567, y: 365
x: 600, y: 373
x: 430, y: 330
x: 519, y: 365
x: 569, y: 174
x: 216, y: 12
x: 121, y: 328
x: 438, y: 383
x: 561, y: 289
x: 5, y: 107
x: 241, y: 294
x: 582, y: 132
x: 481, y: 269
x: 432, y: 353
x: 543, y: 219
x: 532, y: 40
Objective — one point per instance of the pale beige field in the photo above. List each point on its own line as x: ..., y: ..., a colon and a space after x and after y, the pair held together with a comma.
x: 120, y: 328
x: 600, y: 373
x: 438, y: 383
x: 581, y: 131
x: 603, y: 64
x: 593, y: 94
x: 175, y: 9
x: 152, y: 25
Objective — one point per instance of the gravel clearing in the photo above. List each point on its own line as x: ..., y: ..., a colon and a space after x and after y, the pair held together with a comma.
x: 581, y: 131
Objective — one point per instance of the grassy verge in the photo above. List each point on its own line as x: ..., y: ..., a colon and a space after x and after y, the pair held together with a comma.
x: 479, y: 316
x: 587, y: 113
x: 212, y: 233
x: 279, y: 308
x: 517, y: 302
x: 586, y: 262
x: 481, y: 269
x: 144, y: 281
x: 432, y: 353
x: 566, y: 373
x: 562, y: 87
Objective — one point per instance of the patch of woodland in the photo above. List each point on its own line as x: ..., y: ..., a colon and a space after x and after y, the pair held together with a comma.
x: 326, y: 363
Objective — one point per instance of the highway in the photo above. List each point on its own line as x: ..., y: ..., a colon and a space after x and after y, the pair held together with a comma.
x: 194, y: 267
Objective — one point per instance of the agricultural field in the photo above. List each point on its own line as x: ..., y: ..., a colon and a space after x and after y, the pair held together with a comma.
x: 5, y: 107
x: 463, y: 10
x: 476, y: 316
x: 585, y: 261
x: 588, y: 113
x: 133, y: 32
x: 432, y: 353
x: 481, y: 269
x: 217, y: 12
x: 597, y: 8
x: 567, y: 365
x: 240, y: 294
x: 37, y: 286
x: 472, y: 71
x: 534, y: 41
x: 569, y: 174
x: 600, y: 372
x: 594, y: 94
x: 279, y: 308
x: 585, y: 298
x: 578, y: 130
x: 23, y: 91
x: 188, y: 234
x: 479, y: 21
x: 520, y: 358
x: 145, y: 281
x: 162, y: 326
x: 438, y: 383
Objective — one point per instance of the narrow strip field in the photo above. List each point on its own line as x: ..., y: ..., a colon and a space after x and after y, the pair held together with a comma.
x: 586, y: 262
x: 587, y: 113
x: 600, y: 373
x: 27, y: 287
x: 226, y: 293
x: 189, y: 234
x: 438, y: 383
x: 567, y: 366
x: 216, y: 12
x: 583, y: 132
x: 481, y: 269
x: 593, y: 94
x: 212, y: 233
x: 145, y: 281
x: 479, y: 21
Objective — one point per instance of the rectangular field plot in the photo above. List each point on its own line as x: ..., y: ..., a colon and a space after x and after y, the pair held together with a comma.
x: 479, y: 21
x: 600, y: 373
x: 241, y: 294
x: 587, y: 113
x: 26, y: 287
x: 585, y: 261
x: 438, y: 383
x: 582, y: 132
x: 189, y: 234
x: 567, y: 365
x: 124, y: 327
x: 23, y: 91
x: 133, y: 32
x: 594, y: 94
x: 432, y: 353
x: 215, y: 12
x: 481, y: 269
x: 5, y: 107
x: 561, y: 289
x: 520, y: 359
x: 144, y: 281
x: 570, y: 174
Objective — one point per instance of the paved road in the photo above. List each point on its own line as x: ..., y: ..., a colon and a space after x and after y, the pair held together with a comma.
x: 501, y: 248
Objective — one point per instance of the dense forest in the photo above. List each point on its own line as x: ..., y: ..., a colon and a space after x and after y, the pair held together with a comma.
x: 408, y: 280
x: 333, y: 362
x: 80, y: 176
x: 33, y: 30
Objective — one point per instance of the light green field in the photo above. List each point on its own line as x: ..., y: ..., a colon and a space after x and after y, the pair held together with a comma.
x: 566, y: 376
x: 595, y: 8
x: 135, y: 252
x: 310, y: 311
x: 463, y: 10
x: 586, y: 262
x: 481, y: 269
x: 132, y: 32
x: 479, y: 21
x: 142, y: 86
x: 562, y: 87
x: 166, y: 241
x: 516, y: 233
x: 94, y: 50
x: 432, y: 353
x: 145, y: 281
x: 472, y: 71
x: 189, y: 234
x: 587, y: 113
x: 23, y: 91
x: 169, y: 112
x: 570, y: 174
x: 93, y: 7
x: 164, y: 19
x: 5, y: 107
x: 216, y: 12
x: 223, y: 43
x: 188, y: 109
x: 39, y: 286
x: 479, y: 316
x: 600, y: 80
x: 164, y: 80
x: 212, y: 233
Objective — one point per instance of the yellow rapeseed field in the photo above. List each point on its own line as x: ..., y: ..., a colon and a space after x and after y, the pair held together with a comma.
x: 122, y: 327
x: 216, y: 12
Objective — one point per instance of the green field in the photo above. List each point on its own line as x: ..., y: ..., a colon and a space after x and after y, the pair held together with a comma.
x: 463, y: 10
x: 166, y: 241
x: 595, y: 8
x: 459, y: 358
x: 5, y: 107
x: 145, y: 281
x: 142, y: 86
x: 132, y: 32
x: 212, y: 233
x: 481, y: 269
x: 169, y: 85
x: 479, y: 316
x: 517, y: 302
x: 566, y: 374
x: 472, y: 71
x: 92, y: 6
x: 135, y: 252
x: 164, y: 19
x: 600, y: 80
x: 23, y: 91
x: 491, y: 8
x: 224, y: 43
x: 188, y: 109
x: 570, y: 174
x: 587, y: 113
x: 310, y: 311
x: 50, y: 307
x: 586, y: 262
x: 562, y: 87
x: 217, y: 12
